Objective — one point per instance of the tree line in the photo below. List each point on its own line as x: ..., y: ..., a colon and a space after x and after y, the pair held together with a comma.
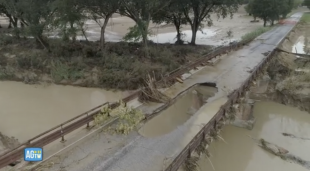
x: 69, y: 16
x: 272, y: 10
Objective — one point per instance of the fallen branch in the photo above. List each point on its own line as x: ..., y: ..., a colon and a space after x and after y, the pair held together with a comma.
x: 293, y: 136
x: 151, y: 93
x: 298, y: 54
x: 281, y: 152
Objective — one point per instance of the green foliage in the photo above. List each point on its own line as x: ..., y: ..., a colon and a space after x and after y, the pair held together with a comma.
x: 307, y: 3
x: 60, y: 71
x: 141, y: 12
x: 197, y: 11
x: 270, y: 10
x: 297, y: 3
x: 305, y: 18
x: 128, y: 118
x: 134, y: 34
x: 69, y: 12
x: 252, y: 35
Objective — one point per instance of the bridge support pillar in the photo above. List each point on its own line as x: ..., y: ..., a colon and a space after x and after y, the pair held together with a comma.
x: 244, y: 115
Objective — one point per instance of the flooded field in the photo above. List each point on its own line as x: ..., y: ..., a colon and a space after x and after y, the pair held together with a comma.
x: 241, y: 153
x: 36, y: 108
x: 178, y: 113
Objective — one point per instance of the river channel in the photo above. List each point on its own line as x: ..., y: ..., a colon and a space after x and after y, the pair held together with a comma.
x: 239, y: 152
x: 28, y: 110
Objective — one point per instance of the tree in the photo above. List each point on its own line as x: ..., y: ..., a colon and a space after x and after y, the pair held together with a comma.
x: 141, y: 11
x: 68, y: 12
x: 197, y: 11
x: 271, y: 10
x: 172, y: 14
x: 248, y: 8
x: 265, y: 9
x: 297, y: 3
x: 103, y: 9
x: 9, y: 9
x: 286, y: 6
x: 36, y: 15
x: 307, y: 3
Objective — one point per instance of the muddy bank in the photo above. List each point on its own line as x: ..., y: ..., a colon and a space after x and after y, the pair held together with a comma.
x: 241, y: 152
x: 287, y: 78
x: 281, y: 133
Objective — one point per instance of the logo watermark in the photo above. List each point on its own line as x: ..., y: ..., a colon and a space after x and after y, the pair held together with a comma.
x: 33, y: 154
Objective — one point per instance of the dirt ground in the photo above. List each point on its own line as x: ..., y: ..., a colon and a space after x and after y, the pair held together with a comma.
x: 290, y: 74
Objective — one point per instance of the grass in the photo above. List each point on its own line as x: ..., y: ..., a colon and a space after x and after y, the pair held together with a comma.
x: 305, y: 18
x: 119, y: 66
x: 252, y: 35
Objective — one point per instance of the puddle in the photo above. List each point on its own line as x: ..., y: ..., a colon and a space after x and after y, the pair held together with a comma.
x: 299, y: 46
x: 202, y: 37
x: 178, y: 113
x: 28, y: 110
x: 302, y: 70
x: 241, y: 153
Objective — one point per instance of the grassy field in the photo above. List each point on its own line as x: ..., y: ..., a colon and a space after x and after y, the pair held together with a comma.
x: 254, y: 34
x: 305, y: 18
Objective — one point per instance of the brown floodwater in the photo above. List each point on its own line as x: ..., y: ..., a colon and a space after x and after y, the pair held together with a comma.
x: 178, y: 113
x: 241, y: 153
x: 27, y: 110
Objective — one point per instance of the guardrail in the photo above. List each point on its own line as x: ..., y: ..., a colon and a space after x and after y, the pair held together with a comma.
x: 85, y: 118
x: 233, y: 97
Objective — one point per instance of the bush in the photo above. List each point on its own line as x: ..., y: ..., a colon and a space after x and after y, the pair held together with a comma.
x: 252, y: 35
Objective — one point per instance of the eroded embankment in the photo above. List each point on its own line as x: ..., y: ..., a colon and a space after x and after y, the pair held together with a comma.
x: 287, y: 79
x: 280, y: 136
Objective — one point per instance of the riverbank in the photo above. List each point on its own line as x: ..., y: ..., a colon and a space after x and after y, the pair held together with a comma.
x: 272, y: 119
x: 280, y: 134
x: 288, y: 76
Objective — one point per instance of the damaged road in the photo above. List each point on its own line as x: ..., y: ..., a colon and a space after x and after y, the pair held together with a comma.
x: 154, y: 154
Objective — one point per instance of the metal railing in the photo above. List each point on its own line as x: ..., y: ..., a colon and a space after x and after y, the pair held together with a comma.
x: 233, y: 98
x: 85, y: 118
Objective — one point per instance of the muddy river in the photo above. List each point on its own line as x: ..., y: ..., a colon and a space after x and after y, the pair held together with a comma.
x: 179, y: 112
x: 27, y: 110
x: 241, y: 153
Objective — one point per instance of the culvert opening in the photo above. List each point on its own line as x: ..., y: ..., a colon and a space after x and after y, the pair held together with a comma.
x: 184, y: 107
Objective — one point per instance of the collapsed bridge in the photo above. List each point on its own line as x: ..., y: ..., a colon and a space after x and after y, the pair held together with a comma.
x: 234, y: 73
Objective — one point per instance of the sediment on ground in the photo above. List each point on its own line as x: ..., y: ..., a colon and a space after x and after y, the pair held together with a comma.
x: 288, y: 76
x: 7, y: 143
x: 119, y: 66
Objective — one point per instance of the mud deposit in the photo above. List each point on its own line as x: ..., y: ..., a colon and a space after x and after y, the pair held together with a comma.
x: 241, y: 153
x: 289, y: 74
x: 178, y: 113
x: 285, y: 122
x: 32, y: 109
